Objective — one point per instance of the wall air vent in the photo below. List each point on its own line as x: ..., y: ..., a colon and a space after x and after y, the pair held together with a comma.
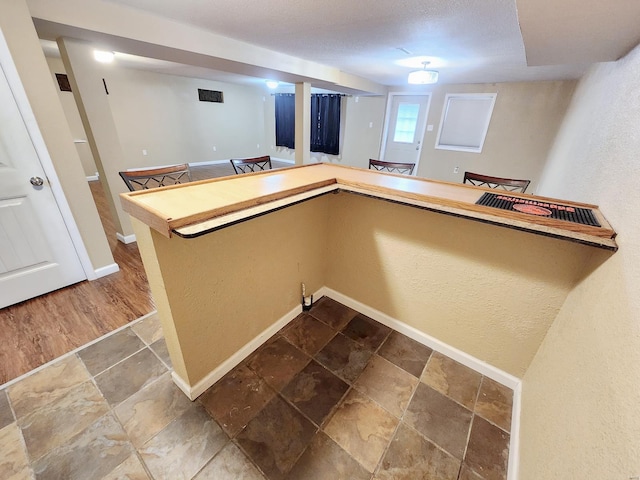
x: 63, y: 82
x: 210, y: 96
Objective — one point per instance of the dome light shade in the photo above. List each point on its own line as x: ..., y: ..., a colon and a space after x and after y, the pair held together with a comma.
x: 424, y: 76
x: 272, y: 84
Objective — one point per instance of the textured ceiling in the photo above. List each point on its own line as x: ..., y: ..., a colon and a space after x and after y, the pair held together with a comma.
x: 467, y: 41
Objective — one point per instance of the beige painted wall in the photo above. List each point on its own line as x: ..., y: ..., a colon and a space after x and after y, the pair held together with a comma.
x: 17, y: 27
x: 489, y: 291
x: 162, y: 114
x: 221, y: 290
x: 523, y: 126
x: 581, y: 394
x: 359, y: 141
x: 73, y: 118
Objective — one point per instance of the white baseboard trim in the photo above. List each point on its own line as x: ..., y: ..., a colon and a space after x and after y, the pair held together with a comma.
x: 514, y: 440
x: 470, y: 361
x: 106, y: 270
x: 126, y: 239
x: 208, y: 162
x: 93, y: 178
x: 235, y: 359
x: 283, y: 160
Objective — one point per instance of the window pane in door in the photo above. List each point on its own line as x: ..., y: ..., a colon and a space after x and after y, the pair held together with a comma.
x: 406, y: 122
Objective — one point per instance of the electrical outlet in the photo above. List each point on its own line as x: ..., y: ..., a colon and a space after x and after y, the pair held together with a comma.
x: 455, y: 169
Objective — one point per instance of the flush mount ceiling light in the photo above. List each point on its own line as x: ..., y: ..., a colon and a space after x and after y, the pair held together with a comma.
x: 424, y: 76
x: 102, y: 56
x: 272, y: 84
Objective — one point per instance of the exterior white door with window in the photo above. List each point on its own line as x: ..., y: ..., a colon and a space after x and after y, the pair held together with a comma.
x: 37, y: 254
x: 404, y: 128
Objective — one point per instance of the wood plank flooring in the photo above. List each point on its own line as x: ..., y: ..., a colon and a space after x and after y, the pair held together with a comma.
x: 36, y: 331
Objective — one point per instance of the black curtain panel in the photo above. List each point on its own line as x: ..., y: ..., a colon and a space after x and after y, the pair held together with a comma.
x: 286, y: 120
x: 325, y: 123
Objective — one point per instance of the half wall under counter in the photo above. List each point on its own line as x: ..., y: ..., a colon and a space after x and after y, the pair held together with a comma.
x: 225, y: 259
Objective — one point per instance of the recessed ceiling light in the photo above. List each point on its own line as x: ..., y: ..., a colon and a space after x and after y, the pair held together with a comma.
x: 102, y: 56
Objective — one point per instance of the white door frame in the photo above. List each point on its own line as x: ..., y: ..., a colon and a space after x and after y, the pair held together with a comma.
x: 20, y: 95
x: 387, y: 113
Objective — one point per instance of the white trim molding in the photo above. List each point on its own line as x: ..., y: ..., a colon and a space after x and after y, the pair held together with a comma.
x: 126, y: 239
x: 106, y: 270
x: 230, y: 363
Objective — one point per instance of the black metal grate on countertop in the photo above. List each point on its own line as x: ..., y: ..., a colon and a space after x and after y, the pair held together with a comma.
x: 567, y: 213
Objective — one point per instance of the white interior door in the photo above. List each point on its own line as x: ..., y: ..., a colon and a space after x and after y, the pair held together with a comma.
x: 405, y: 125
x: 37, y: 254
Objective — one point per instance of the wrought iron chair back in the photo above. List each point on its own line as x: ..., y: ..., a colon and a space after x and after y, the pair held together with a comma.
x: 393, y: 167
x: 508, y: 184
x: 156, y: 177
x: 248, y: 165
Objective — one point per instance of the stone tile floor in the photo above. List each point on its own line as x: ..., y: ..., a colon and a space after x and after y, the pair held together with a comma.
x: 333, y: 395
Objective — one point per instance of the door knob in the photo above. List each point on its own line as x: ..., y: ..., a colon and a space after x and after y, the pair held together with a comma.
x: 36, y: 181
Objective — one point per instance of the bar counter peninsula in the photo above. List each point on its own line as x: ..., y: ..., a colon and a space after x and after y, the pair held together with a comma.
x: 478, y: 274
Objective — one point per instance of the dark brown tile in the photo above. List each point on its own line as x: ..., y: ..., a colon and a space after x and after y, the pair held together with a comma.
x: 236, y: 398
x: 467, y: 474
x: 126, y: 378
x: 276, y: 437
x: 105, y: 353
x: 410, y: 456
x: 94, y: 453
x: 452, y: 379
x: 366, y: 331
x: 440, y: 419
x: 308, y: 334
x: 278, y: 362
x: 488, y: 450
x: 387, y: 384
x: 184, y: 446
x: 344, y: 357
x: 405, y: 352
x: 362, y: 428
x: 315, y: 391
x: 6, y: 415
x: 494, y: 403
x: 333, y: 313
x: 159, y: 347
x: 324, y: 459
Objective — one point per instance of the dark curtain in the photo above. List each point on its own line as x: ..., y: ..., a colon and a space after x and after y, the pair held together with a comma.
x: 325, y: 124
x: 286, y: 120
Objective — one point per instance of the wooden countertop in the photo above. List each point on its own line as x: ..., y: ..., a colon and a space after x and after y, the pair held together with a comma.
x: 197, y: 208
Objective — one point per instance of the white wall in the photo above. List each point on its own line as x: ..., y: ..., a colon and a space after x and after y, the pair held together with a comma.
x: 162, y: 115
x: 523, y: 126
x: 73, y: 118
x: 581, y: 394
